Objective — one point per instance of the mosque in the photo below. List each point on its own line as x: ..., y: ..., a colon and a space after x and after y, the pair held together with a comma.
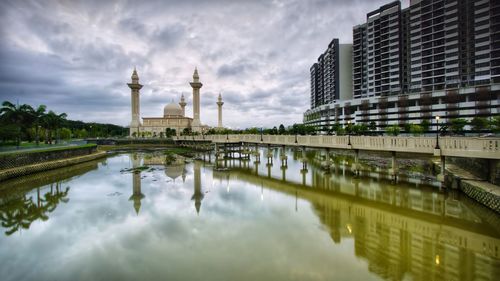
x: 174, y: 115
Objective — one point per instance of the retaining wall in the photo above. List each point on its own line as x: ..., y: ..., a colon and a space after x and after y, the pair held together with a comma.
x: 23, y: 158
x: 48, y: 165
x: 482, y: 193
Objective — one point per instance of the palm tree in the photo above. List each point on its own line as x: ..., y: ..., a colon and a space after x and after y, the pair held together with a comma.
x: 19, y: 115
x: 15, y: 215
x: 38, y: 115
x: 52, y: 121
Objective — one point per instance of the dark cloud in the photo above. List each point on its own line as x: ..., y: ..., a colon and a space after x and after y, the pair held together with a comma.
x: 77, y: 56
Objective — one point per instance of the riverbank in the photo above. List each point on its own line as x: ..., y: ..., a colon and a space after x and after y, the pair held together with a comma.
x: 19, y: 163
x: 472, y: 185
x: 49, y: 165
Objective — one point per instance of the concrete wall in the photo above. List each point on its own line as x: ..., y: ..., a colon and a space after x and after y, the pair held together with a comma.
x: 486, y: 169
x: 345, y: 71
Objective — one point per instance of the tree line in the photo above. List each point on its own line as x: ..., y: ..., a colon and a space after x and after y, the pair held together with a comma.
x: 34, y: 124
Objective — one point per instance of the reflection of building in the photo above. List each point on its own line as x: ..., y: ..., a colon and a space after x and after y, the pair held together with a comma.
x: 401, y: 231
x: 173, y: 169
x: 173, y: 114
x: 137, y: 195
x: 198, y: 194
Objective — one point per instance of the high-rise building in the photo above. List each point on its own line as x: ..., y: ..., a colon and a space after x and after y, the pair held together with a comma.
x: 331, y: 78
x: 435, y: 57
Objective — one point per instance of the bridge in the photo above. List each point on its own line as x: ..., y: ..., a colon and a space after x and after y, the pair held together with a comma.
x: 471, y: 147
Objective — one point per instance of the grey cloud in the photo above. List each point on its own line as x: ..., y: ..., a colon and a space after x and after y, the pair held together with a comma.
x: 76, y: 56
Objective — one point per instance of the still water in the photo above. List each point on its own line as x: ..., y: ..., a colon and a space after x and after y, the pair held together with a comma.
x: 188, y: 221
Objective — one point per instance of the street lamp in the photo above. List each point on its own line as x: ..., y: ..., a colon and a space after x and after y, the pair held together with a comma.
x: 261, y: 133
x: 349, y: 132
x: 437, y: 131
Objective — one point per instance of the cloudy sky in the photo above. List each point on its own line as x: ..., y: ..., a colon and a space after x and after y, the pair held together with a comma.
x: 76, y: 56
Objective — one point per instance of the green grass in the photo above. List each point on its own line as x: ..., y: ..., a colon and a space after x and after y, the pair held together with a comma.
x: 49, y: 149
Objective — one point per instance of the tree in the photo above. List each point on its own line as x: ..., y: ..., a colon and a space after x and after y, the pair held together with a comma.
x: 495, y: 124
x: 281, y: 130
x: 274, y: 131
x: 372, y: 126
x: 393, y: 130
x: 52, y: 122
x: 457, y: 125
x: 37, y: 121
x: 169, y: 132
x: 425, y: 124
x: 407, y: 127
x: 359, y: 129
x: 65, y: 133
x: 19, y: 116
x: 479, y: 124
x: 416, y: 130
x: 186, y: 132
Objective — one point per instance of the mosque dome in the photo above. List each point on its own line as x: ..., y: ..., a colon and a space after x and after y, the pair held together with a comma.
x: 172, y: 109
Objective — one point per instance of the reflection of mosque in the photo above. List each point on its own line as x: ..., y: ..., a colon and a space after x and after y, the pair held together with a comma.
x: 173, y: 170
x: 397, y: 229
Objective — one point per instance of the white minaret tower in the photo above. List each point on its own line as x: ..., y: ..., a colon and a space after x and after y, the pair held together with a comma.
x: 196, y: 85
x: 135, y: 87
x: 183, y: 105
x: 219, y: 105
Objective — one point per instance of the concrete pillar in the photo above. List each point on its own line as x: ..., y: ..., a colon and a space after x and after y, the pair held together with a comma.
x: 269, y: 165
x: 327, y: 159
x: 269, y: 154
x: 283, y: 157
x: 304, y: 173
x: 356, y: 162
x: 394, y: 166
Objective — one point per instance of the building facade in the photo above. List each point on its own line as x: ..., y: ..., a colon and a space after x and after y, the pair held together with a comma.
x: 331, y: 75
x: 433, y: 58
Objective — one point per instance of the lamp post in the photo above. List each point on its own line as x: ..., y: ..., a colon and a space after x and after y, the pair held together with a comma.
x: 261, y: 133
x: 437, y: 132
x: 349, y: 132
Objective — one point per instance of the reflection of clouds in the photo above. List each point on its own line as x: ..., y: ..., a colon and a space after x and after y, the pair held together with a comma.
x: 236, y: 236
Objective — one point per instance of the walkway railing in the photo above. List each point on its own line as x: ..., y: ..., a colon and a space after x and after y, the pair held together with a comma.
x: 488, y: 148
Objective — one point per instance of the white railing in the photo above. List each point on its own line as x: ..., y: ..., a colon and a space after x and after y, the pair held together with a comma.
x: 448, y: 146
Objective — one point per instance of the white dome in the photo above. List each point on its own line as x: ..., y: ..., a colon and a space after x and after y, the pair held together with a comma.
x: 172, y: 109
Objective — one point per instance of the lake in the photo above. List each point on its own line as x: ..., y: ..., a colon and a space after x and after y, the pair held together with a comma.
x: 138, y: 216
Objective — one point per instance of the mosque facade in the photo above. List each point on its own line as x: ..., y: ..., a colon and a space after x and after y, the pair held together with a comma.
x: 174, y: 115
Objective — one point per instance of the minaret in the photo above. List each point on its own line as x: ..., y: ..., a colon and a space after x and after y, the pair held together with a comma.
x: 183, y: 105
x: 219, y: 105
x: 196, y: 85
x: 135, y: 87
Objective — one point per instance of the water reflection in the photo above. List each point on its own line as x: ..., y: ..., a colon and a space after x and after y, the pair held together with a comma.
x: 18, y: 209
x: 259, y: 219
